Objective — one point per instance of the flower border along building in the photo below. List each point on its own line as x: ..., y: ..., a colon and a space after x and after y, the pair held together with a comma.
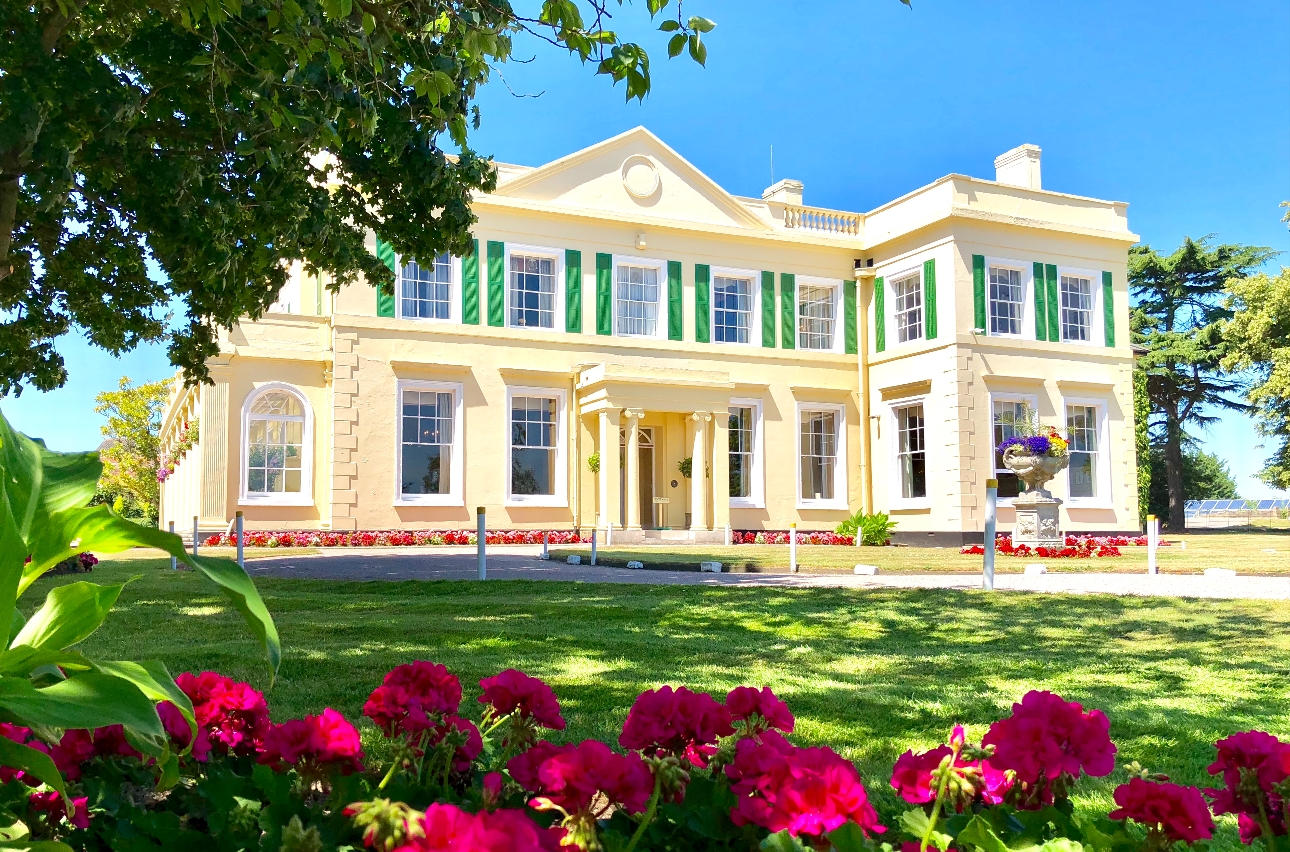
x: 624, y: 317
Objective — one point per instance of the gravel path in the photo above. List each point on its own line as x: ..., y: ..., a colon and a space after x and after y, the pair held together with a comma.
x: 521, y: 562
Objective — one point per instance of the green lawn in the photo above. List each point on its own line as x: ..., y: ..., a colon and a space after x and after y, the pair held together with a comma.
x: 1247, y: 553
x: 869, y: 672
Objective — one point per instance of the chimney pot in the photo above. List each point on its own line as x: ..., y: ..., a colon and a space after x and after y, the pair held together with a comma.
x: 786, y: 191
x: 1019, y: 167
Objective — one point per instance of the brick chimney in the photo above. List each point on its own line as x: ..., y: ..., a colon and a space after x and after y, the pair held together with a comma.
x: 1019, y: 167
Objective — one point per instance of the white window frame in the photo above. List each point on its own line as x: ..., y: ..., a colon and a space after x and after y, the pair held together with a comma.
x: 840, y: 499
x: 889, y: 300
x: 454, y: 292
x: 839, y: 330
x: 456, y: 495
x: 1103, y: 500
x: 1029, y: 399
x: 894, y: 497
x: 304, y: 497
x: 1096, y: 335
x: 1027, y: 271
x: 756, y: 498
x: 754, y: 321
x: 560, y: 498
x: 660, y: 326
x: 557, y: 258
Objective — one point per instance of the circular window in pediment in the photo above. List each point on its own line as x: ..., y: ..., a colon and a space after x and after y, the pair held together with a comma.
x: 640, y: 176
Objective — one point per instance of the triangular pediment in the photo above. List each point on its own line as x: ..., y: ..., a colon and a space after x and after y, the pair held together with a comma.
x: 632, y: 174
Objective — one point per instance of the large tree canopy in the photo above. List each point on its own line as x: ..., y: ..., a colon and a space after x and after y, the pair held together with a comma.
x: 1257, y: 338
x: 1177, y: 316
x: 224, y: 139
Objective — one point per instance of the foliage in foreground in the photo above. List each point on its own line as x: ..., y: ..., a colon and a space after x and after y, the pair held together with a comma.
x: 694, y: 773
x: 131, y: 445
x: 47, y: 687
x: 1258, y: 339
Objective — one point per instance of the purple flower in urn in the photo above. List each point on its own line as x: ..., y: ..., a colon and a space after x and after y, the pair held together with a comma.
x: 1035, y: 445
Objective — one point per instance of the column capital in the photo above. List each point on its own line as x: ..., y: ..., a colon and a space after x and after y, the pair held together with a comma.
x: 631, y: 413
x: 701, y: 416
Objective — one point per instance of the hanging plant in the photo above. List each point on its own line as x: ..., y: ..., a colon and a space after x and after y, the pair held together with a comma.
x: 686, y: 466
x: 593, y: 462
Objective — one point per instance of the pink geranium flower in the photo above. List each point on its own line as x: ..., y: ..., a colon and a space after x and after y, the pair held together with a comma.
x: 447, y: 828
x: 1180, y: 813
x: 1047, y: 736
x: 913, y: 775
x: 49, y: 802
x: 678, y: 722
x: 233, y: 714
x: 314, y: 744
x: 513, y: 691
x: 805, y: 791
x: 410, y: 695
x: 1254, y: 765
x: 760, y: 708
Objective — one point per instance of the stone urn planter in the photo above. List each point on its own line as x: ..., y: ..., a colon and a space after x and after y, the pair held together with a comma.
x: 1038, y: 518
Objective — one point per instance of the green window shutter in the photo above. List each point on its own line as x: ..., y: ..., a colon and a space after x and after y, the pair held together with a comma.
x: 604, y: 294
x: 978, y: 293
x: 768, y: 310
x: 879, y: 314
x: 788, y: 310
x: 470, y: 287
x: 1108, y: 308
x: 1054, y: 306
x: 1041, y: 303
x: 675, y: 303
x: 929, y: 299
x: 496, y: 284
x: 850, y: 339
x: 573, y: 291
x: 385, y: 301
x: 702, y: 311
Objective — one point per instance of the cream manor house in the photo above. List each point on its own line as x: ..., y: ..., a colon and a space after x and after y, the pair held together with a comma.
x: 631, y: 345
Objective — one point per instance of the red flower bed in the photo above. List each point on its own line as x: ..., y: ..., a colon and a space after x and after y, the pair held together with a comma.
x: 391, y: 538
x: 1076, y: 547
x: 781, y: 537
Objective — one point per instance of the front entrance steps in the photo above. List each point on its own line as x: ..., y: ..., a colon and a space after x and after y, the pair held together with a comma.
x: 669, y: 537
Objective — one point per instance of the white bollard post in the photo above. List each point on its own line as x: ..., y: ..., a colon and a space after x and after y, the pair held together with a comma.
x: 991, y: 503
x: 241, y: 559
x: 728, y: 536
x: 609, y: 534
x: 546, y: 537
x: 593, y: 546
x: 174, y: 563
x: 1153, y: 541
x: 792, y: 548
x: 481, y: 542
x: 194, y: 535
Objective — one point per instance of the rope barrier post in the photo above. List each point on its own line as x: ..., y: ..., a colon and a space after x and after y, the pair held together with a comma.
x: 1153, y: 541
x: 593, y: 546
x: 174, y: 563
x: 241, y: 557
x: 481, y: 542
x: 792, y: 548
x: 991, y: 506
x: 194, y: 535
x: 546, y: 537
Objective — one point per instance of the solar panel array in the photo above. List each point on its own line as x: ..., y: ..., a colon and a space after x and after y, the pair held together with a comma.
x: 1196, y: 508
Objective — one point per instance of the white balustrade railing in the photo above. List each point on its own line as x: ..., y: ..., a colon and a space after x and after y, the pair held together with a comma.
x: 823, y: 221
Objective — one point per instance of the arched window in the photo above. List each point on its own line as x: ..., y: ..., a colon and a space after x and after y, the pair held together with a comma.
x: 276, y: 447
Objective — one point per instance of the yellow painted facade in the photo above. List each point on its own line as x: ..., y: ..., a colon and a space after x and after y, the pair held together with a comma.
x: 326, y: 414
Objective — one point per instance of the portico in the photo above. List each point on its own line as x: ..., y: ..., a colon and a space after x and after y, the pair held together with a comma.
x: 643, y: 423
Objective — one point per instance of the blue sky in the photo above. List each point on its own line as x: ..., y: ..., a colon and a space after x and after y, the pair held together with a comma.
x: 1180, y: 108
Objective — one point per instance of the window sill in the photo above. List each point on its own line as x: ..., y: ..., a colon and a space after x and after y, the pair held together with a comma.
x: 1075, y: 503
x: 921, y: 503
x: 537, y: 328
x: 430, y: 320
x: 431, y: 500
x: 299, y: 502
x: 831, y: 505
x: 745, y: 503
x: 552, y: 502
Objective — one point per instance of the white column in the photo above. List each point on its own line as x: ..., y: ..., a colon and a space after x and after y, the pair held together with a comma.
x: 699, y: 472
x: 720, y: 470
x: 610, y: 511
x: 634, y: 468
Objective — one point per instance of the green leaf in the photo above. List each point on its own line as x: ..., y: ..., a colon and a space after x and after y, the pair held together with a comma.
x: 978, y: 833
x: 23, y: 660
x: 849, y: 837
x: 782, y: 841
x: 70, y: 614
x: 89, y: 700
x: 675, y: 45
x: 369, y: 23
x: 670, y: 25
x: 35, y: 763
x: 698, y: 50
x: 916, y: 822
x: 35, y: 845
x: 702, y: 25
x: 97, y: 528
x: 153, y: 680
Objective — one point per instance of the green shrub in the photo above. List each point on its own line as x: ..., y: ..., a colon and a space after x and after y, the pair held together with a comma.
x: 874, y: 529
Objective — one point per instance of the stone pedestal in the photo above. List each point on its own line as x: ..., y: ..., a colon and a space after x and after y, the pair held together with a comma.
x: 1038, y: 521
